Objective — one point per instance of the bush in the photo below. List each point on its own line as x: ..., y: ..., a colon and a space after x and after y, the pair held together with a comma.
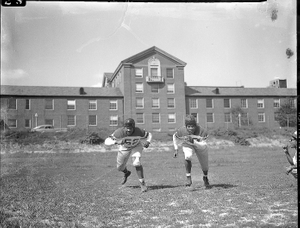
x: 92, y: 138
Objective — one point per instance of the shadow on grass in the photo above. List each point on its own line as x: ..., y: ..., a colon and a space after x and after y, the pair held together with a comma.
x: 225, y: 186
x: 156, y: 187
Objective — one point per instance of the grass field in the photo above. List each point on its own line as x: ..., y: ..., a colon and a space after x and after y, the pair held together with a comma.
x: 249, y: 188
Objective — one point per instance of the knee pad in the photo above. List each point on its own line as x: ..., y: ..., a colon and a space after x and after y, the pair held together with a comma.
x: 188, y: 157
x: 136, y: 159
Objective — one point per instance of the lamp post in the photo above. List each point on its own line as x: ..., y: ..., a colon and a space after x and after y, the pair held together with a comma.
x: 36, y: 119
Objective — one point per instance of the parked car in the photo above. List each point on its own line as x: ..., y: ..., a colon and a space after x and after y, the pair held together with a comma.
x: 47, y: 128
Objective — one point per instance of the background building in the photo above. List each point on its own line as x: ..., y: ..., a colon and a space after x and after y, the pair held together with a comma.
x: 150, y: 88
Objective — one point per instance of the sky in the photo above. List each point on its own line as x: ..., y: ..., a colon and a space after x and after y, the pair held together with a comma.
x: 74, y: 43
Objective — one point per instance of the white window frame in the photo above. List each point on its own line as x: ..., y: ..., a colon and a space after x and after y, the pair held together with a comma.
x: 12, y: 126
x: 68, y: 120
x: 89, y: 120
x: 168, y: 68
x: 153, y: 102
x: 244, y: 103
x: 154, y: 86
x: 71, y: 103
x: 52, y: 105
x: 29, y: 104
x: 143, y: 118
x: 138, y: 72
x: 47, y: 122
x: 170, y: 88
x: 29, y: 121
x: 170, y: 115
x: 213, y: 117
x: 112, y: 103
x: 260, y: 103
x: 229, y: 102
x: 227, y: 114
x: 113, y: 120
x: 137, y: 89
x: 191, y: 103
x: 136, y: 102
x: 174, y: 102
x: 158, y: 118
x: 196, y: 116
x: 14, y: 108
x: 154, y: 63
x: 261, y: 114
x: 276, y: 103
x: 91, y: 103
x: 212, y: 102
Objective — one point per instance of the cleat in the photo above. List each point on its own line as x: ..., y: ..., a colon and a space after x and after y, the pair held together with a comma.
x: 143, y: 187
x: 206, y: 183
x: 126, y: 175
x: 188, y: 182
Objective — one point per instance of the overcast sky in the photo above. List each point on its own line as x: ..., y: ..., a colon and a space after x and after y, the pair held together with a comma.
x: 74, y: 43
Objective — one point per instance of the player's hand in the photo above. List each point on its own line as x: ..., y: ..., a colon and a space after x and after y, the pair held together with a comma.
x: 175, y: 154
x: 189, y: 139
x: 146, y: 144
x: 120, y: 141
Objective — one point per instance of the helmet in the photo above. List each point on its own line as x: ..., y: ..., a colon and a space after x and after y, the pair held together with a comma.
x: 190, y: 120
x: 129, y: 123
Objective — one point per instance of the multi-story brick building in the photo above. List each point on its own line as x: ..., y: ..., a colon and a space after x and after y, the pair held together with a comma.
x: 148, y: 87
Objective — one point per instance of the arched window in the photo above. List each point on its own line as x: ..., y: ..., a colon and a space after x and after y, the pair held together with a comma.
x: 154, y: 67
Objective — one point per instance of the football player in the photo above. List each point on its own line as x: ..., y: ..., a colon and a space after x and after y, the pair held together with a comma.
x: 292, y: 160
x: 192, y: 144
x: 121, y: 137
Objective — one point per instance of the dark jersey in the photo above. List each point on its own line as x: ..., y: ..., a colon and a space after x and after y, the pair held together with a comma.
x: 182, y: 131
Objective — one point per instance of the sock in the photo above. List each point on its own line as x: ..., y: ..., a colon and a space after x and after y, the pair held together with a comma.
x: 188, y: 175
x: 142, y: 180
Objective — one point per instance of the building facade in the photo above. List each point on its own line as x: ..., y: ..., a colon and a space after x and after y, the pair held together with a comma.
x: 148, y: 87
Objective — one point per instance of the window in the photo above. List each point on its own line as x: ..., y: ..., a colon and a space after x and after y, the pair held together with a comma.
x: 171, y: 102
x: 138, y: 72
x: 196, y: 116
x: 140, y: 118
x: 260, y: 103
x: 209, y: 103
x: 71, y: 105
x: 155, y: 102
x: 139, y: 102
x: 276, y: 103
x: 154, y: 67
x: 154, y: 88
x: 193, y: 103
x: 170, y: 73
x: 139, y: 87
x: 244, y: 103
x: 170, y: 88
x: 12, y: 123
x: 155, y: 118
x: 92, y: 120
x: 276, y: 116
x: 227, y: 117
x: 172, y: 118
x: 27, y: 104
x: 261, y: 117
x: 227, y: 103
x: 293, y: 103
x: 49, y: 122
x: 92, y: 105
x: 12, y: 103
x: 113, y: 105
x: 209, y: 117
x: 27, y: 123
x: 71, y: 120
x: 113, y: 121
x: 49, y: 104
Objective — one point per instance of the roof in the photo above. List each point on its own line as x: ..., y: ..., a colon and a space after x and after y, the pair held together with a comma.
x: 144, y: 54
x: 238, y: 91
x: 60, y: 91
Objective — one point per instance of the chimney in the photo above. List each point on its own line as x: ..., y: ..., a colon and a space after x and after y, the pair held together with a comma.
x: 81, y: 91
x: 216, y: 91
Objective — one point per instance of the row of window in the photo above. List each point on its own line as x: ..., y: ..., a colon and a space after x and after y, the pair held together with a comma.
x: 71, y: 104
x: 139, y: 88
x: 71, y: 121
x: 153, y: 71
x: 227, y: 103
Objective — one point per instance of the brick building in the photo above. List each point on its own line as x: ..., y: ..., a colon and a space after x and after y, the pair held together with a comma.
x: 148, y: 87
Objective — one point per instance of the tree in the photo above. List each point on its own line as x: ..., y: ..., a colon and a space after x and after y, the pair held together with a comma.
x: 286, y: 115
x: 239, y: 117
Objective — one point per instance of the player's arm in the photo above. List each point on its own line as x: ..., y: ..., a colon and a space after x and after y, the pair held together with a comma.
x: 175, y: 143
x: 288, y: 156
x: 111, y: 140
x: 148, y: 139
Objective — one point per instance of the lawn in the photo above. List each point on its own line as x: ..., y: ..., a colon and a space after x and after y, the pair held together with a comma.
x: 249, y: 188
